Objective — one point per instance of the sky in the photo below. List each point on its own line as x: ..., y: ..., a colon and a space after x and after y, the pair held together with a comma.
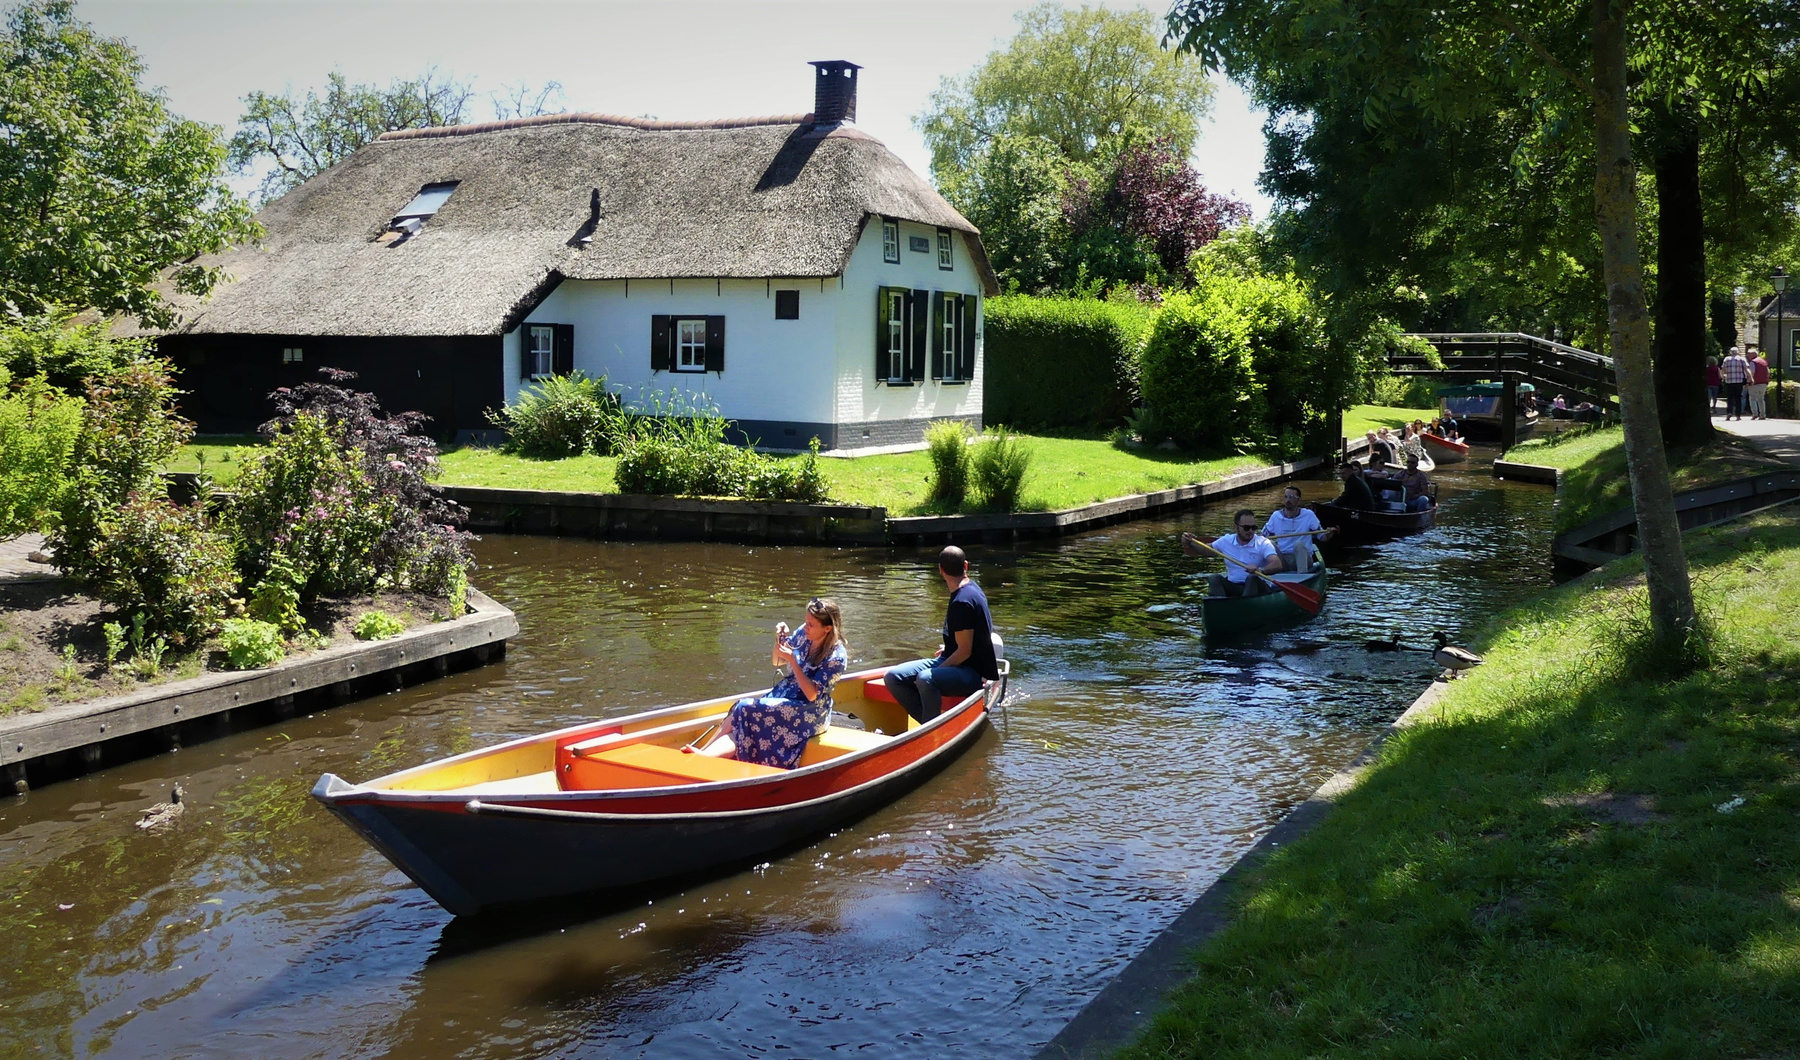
x: 675, y: 59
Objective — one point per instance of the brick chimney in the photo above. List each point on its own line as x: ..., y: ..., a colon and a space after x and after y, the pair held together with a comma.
x: 834, y: 92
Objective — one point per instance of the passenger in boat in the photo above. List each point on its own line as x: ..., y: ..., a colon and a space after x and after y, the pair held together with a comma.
x: 1247, y: 547
x: 772, y: 730
x: 1416, y: 484
x: 1357, y: 494
x: 967, y: 656
x: 1380, y: 452
x: 1294, y: 529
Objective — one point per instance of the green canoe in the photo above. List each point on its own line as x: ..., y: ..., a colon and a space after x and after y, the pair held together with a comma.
x: 1229, y: 616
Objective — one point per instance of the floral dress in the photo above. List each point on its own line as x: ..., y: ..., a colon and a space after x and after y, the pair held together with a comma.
x: 772, y: 730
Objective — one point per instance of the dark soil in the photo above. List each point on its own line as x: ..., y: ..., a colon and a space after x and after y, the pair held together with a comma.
x: 41, y: 620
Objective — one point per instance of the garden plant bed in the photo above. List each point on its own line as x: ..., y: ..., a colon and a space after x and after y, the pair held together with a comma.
x: 41, y: 620
x: 149, y: 717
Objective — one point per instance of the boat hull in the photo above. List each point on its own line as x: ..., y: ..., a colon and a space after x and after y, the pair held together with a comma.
x: 1364, y: 527
x: 474, y: 852
x: 1445, y: 451
x: 1231, y: 616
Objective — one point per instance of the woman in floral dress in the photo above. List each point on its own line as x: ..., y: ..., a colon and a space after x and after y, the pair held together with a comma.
x: 772, y: 730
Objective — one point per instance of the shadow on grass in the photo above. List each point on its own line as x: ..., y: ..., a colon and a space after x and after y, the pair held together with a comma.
x: 1570, y: 863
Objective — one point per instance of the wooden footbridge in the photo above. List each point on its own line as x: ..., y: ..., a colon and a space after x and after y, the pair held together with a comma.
x: 1511, y: 358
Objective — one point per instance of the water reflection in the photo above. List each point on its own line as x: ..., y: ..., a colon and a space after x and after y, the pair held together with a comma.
x: 979, y: 912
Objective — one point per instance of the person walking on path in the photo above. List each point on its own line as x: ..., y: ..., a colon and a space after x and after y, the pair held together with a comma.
x: 1734, y: 373
x: 967, y: 656
x: 1712, y: 385
x: 1758, y: 389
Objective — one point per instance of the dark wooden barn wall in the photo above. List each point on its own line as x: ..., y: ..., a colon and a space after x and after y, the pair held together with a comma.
x: 229, y: 377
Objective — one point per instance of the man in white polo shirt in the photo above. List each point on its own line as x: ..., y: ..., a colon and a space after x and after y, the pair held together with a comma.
x: 1247, y: 547
x: 1291, y: 519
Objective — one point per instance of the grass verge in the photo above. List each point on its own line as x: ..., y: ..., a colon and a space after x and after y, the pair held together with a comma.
x: 1361, y: 419
x: 1594, y: 481
x: 1566, y: 860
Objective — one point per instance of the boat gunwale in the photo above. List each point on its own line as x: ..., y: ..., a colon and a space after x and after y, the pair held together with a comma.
x: 372, y: 792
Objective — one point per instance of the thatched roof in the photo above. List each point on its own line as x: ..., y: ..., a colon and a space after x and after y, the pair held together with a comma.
x: 751, y: 198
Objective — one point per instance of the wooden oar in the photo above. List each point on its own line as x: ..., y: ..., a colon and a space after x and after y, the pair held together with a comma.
x: 1305, y: 599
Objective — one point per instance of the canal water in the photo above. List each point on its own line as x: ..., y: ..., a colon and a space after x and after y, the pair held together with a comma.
x: 1132, y: 764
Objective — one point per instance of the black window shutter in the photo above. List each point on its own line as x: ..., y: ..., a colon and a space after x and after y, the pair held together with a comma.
x: 940, y: 310
x: 965, y: 362
x: 527, y: 359
x: 921, y: 323
x: 562, y: 357
x: 883, y: 317
x: 659, y: 343
x: 715, y: 344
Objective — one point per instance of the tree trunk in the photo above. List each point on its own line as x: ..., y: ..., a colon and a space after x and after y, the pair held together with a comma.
x: 1615, y: 208
x: 1680, y: 347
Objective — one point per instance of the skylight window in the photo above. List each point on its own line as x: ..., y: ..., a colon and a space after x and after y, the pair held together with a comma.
x: 427, y: 202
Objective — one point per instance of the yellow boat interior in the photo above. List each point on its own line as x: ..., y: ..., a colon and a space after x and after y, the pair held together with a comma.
x: 645, y: 750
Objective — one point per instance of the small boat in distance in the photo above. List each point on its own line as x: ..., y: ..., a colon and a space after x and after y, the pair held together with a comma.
x: 1476, y: 406
x: 1359, y: 527
x: 1232, y: 616
x: 618, y: 803
x: 1443, y: 449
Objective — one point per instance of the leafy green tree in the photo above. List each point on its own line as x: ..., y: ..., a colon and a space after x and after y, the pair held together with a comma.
x: 1076, y: 79
x: 101, y: 187
x: 66, y: 353
x: 1423, y: 68
x: 1014, y: 191
x: 301, y: 137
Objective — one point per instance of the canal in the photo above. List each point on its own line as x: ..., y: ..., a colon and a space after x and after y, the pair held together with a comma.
x: 1132, y: 764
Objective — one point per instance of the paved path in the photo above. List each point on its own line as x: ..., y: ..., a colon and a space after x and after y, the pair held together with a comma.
x: 1780, y: 438
x: 15, y: 566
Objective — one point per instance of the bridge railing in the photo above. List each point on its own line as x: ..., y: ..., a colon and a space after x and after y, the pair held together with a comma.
x: 1469, y: 356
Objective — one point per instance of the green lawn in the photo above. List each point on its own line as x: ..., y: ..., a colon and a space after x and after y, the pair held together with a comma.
x: 1361, y: 419
x: 224, y: 454
x: 1593, y: 463
x: 1569, y: 859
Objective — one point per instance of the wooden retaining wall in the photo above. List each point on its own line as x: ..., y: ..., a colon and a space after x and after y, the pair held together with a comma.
x: 668, y: 518
x: 1540, y: 474
x: 68, y: 740
x: 1598, y: 541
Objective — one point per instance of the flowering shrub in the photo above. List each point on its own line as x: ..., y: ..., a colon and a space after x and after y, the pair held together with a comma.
x: 162, y: 564
x: 250, y: 644
x: 345, y: 492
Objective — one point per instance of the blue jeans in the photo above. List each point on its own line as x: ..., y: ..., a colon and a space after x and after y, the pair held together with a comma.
x: 921, y: 686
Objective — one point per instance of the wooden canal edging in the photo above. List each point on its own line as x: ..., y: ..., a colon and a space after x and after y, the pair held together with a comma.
x: 922, y: 529
x: 1599, y: 541
x: 1127, y: 1004
x: 1538, y: 474
x: 522, y: 511
x: 69, y: 740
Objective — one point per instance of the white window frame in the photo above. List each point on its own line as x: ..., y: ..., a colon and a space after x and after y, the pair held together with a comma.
x: 896, y: 347
x: 946, y: 251
x: 543, y: 361
x: 890, y: 242
x: 687, y: 344
x: 952, y: 325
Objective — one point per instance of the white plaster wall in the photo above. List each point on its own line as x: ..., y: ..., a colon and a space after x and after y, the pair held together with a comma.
x: 859, y: 396
x: 774, y: 369
x: 509, y: 364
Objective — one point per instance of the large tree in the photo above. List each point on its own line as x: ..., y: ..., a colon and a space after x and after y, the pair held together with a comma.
x: 1418, y: 69
x: 1075, y: 79
x: 101, y: 187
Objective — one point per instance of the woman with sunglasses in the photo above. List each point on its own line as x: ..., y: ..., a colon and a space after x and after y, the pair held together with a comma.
x: 772, y: 730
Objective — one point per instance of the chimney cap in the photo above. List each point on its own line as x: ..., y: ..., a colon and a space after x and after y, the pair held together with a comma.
x: 833, y: 66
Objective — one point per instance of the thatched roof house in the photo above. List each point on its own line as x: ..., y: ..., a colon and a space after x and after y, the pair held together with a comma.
x: 428, y: 251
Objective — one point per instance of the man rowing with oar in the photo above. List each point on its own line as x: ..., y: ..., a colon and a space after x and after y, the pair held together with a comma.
x: 1249, y: 549
x: 1294, y: 529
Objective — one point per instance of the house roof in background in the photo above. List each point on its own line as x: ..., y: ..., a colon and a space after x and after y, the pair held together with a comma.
x: 1791, y: 303
x: 748, y: 198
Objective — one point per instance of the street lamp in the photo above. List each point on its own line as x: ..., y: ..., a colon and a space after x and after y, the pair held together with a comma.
x: 1779, y: 280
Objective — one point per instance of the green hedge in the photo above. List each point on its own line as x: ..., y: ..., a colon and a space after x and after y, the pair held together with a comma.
x: 1061, y: 362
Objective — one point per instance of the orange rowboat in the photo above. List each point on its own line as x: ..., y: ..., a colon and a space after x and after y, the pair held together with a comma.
x: 619, y: 803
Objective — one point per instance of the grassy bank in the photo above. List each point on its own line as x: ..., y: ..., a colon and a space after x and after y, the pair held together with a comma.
x: 1066, y: 471
x: 1593, y: 462
x: 1566, y: 860
x: 1361, y: 419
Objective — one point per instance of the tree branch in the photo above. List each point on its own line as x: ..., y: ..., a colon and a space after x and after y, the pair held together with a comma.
x: 1511, y: 25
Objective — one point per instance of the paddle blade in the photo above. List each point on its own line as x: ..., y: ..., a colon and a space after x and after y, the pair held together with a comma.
x: 1305, y: 599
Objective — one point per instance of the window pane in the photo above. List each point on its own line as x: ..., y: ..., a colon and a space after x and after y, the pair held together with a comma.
x: 430, y: 198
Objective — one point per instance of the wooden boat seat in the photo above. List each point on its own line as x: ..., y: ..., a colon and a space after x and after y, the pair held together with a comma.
x: 529, y: 784
x: 839, y: 741
x: 593, y: 744
x: 875, y: 690
x: 647, y: 765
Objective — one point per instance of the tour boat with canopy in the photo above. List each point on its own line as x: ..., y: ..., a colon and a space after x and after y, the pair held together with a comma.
x: 1476, y: 407
x: 624, y: 802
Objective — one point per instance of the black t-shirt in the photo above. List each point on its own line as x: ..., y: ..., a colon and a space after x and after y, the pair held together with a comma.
x: 1356, y: 495
x: 969, y: 610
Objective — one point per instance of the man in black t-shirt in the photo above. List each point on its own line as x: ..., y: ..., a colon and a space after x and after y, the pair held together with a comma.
x: 1357, y: 494
x: 967, y: 657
